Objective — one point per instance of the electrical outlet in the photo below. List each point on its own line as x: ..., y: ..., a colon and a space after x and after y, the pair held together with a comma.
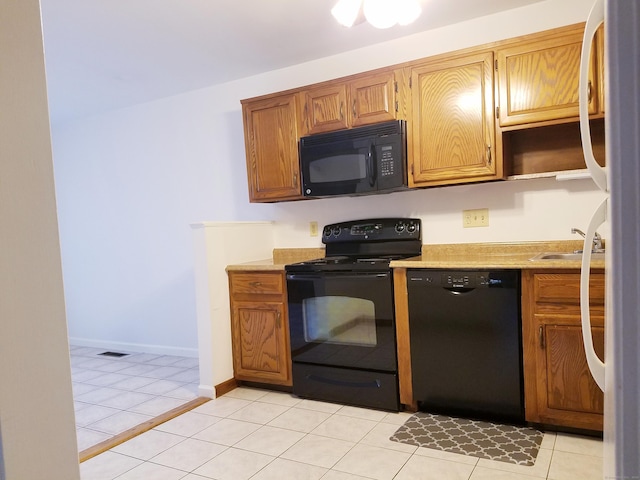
x: 313, y: 229
x: 475, y: 218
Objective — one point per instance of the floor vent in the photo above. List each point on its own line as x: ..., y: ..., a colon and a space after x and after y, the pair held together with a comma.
x: 113, y: 354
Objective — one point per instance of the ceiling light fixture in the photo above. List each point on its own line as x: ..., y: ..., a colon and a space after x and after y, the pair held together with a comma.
x: 379, y: 13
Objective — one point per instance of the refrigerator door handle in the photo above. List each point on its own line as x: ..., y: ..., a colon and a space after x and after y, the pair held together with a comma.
x: 596, y: 366
x: 596, y: 18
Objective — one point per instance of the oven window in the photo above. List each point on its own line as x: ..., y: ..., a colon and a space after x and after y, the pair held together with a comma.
x: 338, y: 168
x: 339, y: 320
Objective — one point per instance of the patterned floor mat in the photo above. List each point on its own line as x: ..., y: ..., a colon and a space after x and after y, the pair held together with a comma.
x: 504, y: 443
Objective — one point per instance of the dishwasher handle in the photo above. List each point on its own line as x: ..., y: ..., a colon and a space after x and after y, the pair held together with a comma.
x: 459, y: 290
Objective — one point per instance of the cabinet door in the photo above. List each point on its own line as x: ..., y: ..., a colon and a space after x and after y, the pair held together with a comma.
x: 260, y: 349
x: 271, y: 140
x: 567, y: 394
x: 325, y: 108
x: 558, y: 386
x: 452, y: 122
x: 539, y: 80
x: 372, y: 99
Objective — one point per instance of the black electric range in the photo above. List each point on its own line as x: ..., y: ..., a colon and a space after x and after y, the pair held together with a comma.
x: 342, y: 316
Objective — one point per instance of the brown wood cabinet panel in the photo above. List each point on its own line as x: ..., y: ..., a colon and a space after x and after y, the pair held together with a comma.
x: 259, y: 341
x: 560, y: 292
x: 452, y: 127
x: 253, y: 283
x: 373, y: 99
x: 271, y: 141
x: 362, y: 100
x: 569, y: 383
x: 401, y: 300
x: 539, y: 80
x: 600, y: 66
x: 326, y: 109
x: 559, y: 389
x: 259, y: 327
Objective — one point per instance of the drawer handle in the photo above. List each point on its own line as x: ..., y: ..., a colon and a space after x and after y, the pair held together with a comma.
x: 255, y: 284
x: 541, y: 336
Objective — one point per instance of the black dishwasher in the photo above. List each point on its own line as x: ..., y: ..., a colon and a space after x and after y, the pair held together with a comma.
x: 466, y: 343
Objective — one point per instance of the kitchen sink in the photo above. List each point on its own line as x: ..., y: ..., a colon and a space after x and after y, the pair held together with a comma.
x: 566, y: 256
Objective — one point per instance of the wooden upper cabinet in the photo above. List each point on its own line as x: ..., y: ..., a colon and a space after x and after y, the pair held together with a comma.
x: 325, y: 108
x: 373, y: 99
x: 538, y: 80
x: 271, y: 132
x: 452, y: 127
x: 342, y: 104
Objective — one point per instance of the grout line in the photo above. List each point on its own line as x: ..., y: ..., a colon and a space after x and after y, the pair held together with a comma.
x: 108, y: 444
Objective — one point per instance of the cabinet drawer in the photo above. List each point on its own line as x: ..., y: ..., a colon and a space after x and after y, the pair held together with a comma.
x: 564, y: 288
x: 256, y: 283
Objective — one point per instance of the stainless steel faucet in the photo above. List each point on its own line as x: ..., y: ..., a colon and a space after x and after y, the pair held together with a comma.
x: 597, y: 241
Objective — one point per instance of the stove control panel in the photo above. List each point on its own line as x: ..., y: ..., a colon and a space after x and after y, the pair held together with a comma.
x: 373, y: 230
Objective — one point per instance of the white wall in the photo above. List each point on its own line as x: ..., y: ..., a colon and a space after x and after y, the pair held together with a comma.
x: 37, y: 428
x: 216, y: 245
x: 131, y: 181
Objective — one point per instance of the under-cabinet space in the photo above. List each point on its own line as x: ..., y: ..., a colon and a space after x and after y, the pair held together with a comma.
x: 550, y: 149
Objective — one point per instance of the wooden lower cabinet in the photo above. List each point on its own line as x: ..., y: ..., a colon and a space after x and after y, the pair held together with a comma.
x: 559, y: 389
x: 259, y: 327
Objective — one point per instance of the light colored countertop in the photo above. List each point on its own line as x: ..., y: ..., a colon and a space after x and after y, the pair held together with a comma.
x: 281, y: 257
x: 515, y: 255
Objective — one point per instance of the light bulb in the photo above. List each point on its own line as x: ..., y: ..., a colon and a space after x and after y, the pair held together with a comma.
x: 346, y: 11
x: 380, y: 13
x: 407, y: 11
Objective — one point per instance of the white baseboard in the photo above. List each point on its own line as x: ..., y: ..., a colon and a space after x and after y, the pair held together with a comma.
x: 206, y: 391
x: 126, y: 347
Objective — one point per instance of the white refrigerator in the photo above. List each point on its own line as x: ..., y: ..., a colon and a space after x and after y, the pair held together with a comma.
x: 619, y: 374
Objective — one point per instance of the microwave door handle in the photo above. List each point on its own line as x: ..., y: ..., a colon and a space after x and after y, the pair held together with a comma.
x: 371, y: 165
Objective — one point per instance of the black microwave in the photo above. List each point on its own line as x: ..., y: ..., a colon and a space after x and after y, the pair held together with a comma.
x: 358, y: 161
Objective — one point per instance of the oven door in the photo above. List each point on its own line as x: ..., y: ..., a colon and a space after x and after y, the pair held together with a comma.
x: 342, y: 319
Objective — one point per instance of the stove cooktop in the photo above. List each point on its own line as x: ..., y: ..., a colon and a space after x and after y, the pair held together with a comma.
x: 365, y: 245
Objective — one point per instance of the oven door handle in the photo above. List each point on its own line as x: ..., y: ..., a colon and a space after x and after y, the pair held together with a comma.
x: 342, y: 275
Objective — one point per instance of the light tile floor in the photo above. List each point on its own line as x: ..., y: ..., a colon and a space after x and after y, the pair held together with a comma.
x: 264, y: 435
x: 113, y: 394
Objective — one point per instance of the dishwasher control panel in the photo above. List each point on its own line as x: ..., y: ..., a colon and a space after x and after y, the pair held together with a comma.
x: 455, y: 279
